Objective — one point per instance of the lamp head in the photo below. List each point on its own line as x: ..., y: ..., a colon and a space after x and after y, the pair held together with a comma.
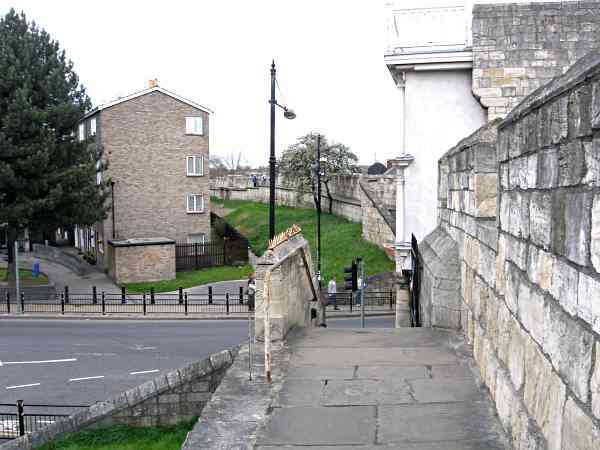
x: 289, y: 114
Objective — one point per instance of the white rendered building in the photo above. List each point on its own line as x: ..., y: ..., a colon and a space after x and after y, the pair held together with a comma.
x: 428, y: 55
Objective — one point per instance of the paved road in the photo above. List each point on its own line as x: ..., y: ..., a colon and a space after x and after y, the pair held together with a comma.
x: 111, y: 349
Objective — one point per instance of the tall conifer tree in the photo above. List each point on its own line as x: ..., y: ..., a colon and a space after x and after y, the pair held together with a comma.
x: 47, y: 177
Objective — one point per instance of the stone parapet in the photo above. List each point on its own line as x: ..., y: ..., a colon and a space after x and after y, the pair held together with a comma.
x: 286, y: 288
x: 177, y: 395
x: 528, y: 248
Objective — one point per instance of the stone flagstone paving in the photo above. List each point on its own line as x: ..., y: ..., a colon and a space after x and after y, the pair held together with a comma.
x: 407, y: 389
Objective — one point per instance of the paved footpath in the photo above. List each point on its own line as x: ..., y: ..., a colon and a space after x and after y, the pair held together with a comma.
x: 340, y: 389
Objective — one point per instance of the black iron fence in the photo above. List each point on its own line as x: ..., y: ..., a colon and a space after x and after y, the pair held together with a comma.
x: 374, y: 300
x: 20, y: 419
x: 415, y: 283
x: 209, y: 254
x: 126, y: 303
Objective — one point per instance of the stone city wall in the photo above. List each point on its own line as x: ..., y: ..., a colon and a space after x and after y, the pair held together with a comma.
x: 141, y: 260
x: 520, y: 47
x: 292, y: 288
x: 177, y: 395
x: 467, y: 193
x: 528, y: 248
x: 378, y: 223
x: 366, y: 199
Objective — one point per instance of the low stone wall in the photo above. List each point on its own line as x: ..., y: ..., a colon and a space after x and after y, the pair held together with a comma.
x: 292, y: 283
x: 520, y: 200
x: 170, y: 398
x: 141, y: 260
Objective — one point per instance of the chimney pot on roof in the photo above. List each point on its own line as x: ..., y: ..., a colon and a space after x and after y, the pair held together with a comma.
x: 152, y: 83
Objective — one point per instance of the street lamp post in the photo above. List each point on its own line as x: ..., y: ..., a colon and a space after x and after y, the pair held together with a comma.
x: 272, y: 157
x: 288, y: 114
x: 318, y: 167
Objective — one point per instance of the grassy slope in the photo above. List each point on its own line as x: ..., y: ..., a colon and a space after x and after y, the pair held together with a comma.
x: 121, y: 437
x: 340, y: 239
x: 24, y: 277
x: 193, y: 278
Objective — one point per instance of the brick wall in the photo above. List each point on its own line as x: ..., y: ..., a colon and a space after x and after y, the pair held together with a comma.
x: 141, y: 260
x: 520, y: 47
x: 177, y: 395
x: 529, y: 293
x: 145, y: 142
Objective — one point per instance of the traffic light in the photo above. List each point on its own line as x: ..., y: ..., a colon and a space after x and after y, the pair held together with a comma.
x: 351, y: 279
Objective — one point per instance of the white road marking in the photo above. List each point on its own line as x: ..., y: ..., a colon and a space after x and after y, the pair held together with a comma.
x: 3, y: 363
x: 22, y: 386
x: 141, y: 347
x: 144, y: 371
x: 86, y: 378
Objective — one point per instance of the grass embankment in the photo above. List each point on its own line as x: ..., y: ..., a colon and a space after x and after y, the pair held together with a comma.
x: 25, y: 277
x: 122, y: 437
x: 341, y: 240
x: 193, y: 278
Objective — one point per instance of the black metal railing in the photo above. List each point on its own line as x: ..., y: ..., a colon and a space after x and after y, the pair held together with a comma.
x: 15, y: 421
x: 415, y: 284
x: 147, y: 303
x: 374, y: 300
x: 209, y: 254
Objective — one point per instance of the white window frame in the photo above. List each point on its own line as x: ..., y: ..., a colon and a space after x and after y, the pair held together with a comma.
x: 194, y: 209
x: 194, y: 159
x: 81, y: 132
x: 98, y: 173
x: 191, y: 125
x: 93, y: 126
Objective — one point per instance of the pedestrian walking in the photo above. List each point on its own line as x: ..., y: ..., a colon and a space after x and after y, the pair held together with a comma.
x: 332, y: 293
x: 251, y: 290
x: 360, y: 291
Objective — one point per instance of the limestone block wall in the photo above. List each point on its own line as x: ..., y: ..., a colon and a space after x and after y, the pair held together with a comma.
x: 291, y: 295
x: 548, y: 263
x: 141, y: 260
x: 177, y: 395
x: 378, y: 224
x: 467, y: 192
x: 520, y: 47
x: 529, y: 293
x: 440, y: 304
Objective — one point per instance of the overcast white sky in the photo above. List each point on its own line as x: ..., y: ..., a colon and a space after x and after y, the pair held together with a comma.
x: 329, y: 56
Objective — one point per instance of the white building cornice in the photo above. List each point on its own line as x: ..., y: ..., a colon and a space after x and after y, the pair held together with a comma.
x: 430, y: 61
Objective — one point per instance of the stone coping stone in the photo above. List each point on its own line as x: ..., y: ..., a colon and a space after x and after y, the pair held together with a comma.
x: 135, y: 242
x: 242, y: 403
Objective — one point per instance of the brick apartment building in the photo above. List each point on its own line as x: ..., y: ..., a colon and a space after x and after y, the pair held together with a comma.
x: 157, y: 147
